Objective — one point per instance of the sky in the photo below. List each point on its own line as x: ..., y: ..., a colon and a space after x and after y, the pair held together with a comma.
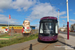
x: 34, y: 10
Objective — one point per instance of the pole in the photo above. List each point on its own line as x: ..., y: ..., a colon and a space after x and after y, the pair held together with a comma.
x: 67, y: 20
x: 58, y: 17
x: 8, y: 26
x: 8, y: 23
x: 58, y: 20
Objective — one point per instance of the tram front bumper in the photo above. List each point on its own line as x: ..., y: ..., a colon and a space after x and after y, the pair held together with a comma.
x: 48, y: 38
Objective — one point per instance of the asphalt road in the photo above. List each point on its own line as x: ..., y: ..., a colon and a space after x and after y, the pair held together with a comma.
x: 47, y: 45
x: 35, y: 45
x: 70, y: 33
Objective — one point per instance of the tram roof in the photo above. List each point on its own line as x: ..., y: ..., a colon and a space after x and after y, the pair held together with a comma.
x: 49, y: 17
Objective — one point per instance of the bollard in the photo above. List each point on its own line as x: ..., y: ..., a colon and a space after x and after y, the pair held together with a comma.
x: 30, y: 47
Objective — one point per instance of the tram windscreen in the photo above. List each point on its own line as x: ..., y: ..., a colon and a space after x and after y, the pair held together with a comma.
x: 47, y: 28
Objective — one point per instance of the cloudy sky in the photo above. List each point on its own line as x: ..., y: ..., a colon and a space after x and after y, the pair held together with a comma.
x: 33, y: 10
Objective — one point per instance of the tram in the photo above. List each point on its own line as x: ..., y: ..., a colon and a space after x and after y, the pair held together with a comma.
x: 48, y: 29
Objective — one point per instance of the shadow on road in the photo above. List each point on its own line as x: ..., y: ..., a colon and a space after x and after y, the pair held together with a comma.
x: 66, y: 44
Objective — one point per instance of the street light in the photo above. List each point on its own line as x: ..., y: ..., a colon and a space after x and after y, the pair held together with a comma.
x: 67, y: 21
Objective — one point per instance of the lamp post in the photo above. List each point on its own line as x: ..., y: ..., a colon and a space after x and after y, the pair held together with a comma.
x: 67, y: 20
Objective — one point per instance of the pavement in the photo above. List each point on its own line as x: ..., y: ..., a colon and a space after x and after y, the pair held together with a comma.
x: 61, y: 44
x: 70, y: 33
x: 69, y: 44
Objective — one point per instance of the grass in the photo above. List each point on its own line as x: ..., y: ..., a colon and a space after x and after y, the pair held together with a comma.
x: 4, y: 43
x: 8, y: 36
x: 4, y: 35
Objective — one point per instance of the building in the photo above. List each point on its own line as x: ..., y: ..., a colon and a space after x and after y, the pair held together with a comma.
x: 16, y: 28
x: 73, y: 27
x: 63, y: 29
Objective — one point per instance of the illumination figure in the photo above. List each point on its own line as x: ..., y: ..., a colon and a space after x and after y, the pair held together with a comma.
x: 26, y: 30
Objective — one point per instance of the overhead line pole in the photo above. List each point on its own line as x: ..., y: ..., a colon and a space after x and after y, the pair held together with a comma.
x: 58, y: 20
x: 58, y: 17
x: 67, y: 20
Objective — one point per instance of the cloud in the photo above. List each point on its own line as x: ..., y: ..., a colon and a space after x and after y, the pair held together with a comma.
x: 43, y: 9
x: 1, y: 10
x: 70, y: 10
x: 24, y: 4
x: 73, y: 13
x: 72, y: 20
x: 63, y: 16
x: 17, y: 4
x: 4, y: 4
x: 4, y: 20
x: 62, y: 13
x: 64, y: 21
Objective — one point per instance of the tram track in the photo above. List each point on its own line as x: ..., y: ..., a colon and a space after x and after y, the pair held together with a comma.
x: 29, y: 46
x: 33, y: 45
x: 45, y: 47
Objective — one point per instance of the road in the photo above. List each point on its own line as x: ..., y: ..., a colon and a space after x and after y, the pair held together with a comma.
x: 35, y: 45
x: 47, y: 45
x: 70, y: 33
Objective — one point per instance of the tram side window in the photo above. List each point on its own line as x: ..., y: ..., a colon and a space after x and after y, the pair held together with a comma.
x: 41, y: 28
x: 56, y: 28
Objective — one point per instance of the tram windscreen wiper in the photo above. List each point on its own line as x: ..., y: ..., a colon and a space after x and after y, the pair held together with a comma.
x: 46, y: 26
x: 48, y: 29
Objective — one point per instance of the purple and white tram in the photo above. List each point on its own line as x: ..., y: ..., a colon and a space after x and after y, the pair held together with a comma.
x: 48, y: 29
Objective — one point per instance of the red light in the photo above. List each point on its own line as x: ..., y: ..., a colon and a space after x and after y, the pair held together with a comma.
x: 52, y: 39
x: 40, y: 38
